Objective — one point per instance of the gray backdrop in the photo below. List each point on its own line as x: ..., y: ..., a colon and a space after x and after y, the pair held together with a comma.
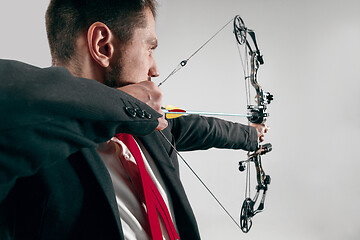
x: 311, y: 66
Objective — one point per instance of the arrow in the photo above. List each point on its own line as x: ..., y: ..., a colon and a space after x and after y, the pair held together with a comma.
x: 174, y: 112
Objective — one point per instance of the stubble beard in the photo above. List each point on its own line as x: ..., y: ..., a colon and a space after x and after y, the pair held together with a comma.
x: 113, y: 76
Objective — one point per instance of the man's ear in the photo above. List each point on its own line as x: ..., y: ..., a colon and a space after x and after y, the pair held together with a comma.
x: 100, y: 43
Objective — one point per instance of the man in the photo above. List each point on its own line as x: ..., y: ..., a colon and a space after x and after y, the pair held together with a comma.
x: 60, y: 178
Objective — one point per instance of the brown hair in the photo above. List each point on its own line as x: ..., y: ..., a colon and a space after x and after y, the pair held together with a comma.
x: 66, y: 19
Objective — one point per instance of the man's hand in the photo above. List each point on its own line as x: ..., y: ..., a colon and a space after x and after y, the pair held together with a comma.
x: 150, y: 94
x: 261, y: 130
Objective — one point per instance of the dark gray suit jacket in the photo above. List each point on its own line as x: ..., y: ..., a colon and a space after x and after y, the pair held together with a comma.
x: 53, y: 184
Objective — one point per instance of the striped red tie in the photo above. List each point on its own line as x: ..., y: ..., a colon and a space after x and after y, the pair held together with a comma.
x: 156, y: 207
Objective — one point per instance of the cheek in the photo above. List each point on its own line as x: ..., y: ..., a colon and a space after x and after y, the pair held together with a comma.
x: 135, y: 72
x: 141, y: 64
x: 136, y: 66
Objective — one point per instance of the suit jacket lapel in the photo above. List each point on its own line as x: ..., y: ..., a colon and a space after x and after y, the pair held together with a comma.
x: 169, y: 168
x: 104, y: 180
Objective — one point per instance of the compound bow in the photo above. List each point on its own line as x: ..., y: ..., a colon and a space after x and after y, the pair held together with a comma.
x: 256, y: 114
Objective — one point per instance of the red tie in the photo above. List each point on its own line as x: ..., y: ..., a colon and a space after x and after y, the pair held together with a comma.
x: 156, y: 207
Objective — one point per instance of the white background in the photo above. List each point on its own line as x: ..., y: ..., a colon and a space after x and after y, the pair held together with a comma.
x: 311, y: 52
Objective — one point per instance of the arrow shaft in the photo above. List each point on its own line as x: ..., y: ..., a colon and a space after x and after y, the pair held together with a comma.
x: 207, y: 113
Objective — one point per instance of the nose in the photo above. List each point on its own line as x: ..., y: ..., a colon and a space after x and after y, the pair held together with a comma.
x: 154, y: 71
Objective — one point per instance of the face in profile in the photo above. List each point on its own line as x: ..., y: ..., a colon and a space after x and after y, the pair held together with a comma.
x: 135, y: 61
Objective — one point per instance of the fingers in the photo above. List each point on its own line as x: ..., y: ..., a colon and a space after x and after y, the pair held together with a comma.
x: 149, y: 93
x: 163, y: 123
x: 154, y: 100
x: 265, y: 129
x: 146, y: 92
x: 261, y: 130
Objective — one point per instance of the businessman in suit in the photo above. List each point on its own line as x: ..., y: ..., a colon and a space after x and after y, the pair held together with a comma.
x: 59, y: 171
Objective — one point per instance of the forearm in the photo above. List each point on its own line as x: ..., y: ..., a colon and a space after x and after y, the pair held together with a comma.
x: 198, y: 133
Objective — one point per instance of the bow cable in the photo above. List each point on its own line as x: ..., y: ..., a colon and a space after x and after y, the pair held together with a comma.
x: 245, y: 68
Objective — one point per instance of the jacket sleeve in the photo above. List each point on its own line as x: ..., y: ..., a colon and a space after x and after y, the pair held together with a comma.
x: 47, y: 114
x: 199, y: 133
